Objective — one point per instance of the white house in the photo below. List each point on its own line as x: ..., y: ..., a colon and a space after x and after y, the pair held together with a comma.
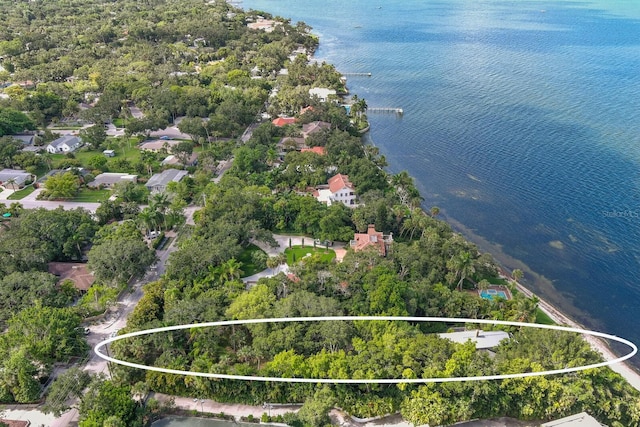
x: 484, y: 340
x: 64, y: 144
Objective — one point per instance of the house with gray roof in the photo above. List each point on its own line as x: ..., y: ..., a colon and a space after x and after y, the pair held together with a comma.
x: 25, y: 139
x: 109, y: 179
x: 64, y: 144
x: 159, y: 181
x: 15, y: 179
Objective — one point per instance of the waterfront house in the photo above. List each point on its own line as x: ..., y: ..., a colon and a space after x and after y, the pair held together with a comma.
x: 64, y: 144
x: 372, y: 238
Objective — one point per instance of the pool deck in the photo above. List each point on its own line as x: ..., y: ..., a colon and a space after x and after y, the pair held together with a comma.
x: 498, y: 288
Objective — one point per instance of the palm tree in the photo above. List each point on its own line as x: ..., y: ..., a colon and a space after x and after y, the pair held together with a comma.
x: 462, y: 265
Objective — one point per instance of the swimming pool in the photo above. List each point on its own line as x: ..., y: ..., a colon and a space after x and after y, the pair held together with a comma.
x: 493, y: 293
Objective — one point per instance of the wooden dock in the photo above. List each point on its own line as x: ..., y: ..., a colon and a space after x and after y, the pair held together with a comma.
x: 357, y: 74
x: 398, y: 111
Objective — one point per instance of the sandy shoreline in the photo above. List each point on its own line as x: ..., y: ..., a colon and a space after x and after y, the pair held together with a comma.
x: 599, y: 345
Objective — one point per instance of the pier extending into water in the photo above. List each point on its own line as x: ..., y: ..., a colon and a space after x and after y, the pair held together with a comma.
x: 398, y: 111
x: 357, y: 74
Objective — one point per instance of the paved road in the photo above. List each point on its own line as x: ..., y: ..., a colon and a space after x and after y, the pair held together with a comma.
x: 114, y: 322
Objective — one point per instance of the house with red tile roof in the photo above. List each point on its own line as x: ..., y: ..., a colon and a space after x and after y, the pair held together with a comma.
x: 338, y: 189
x: 372, y: 238
x: 283, y: 121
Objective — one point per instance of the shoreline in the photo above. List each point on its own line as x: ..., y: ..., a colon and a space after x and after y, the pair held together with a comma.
x: 597, y: 344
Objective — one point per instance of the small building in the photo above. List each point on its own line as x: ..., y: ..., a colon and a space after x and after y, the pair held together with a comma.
x: 484, y: 340
x: 283, y: 121
x: 322, y: 93
x: 64, y: 144
x: 109, y: 153
x: 15, y: 179
x: 77, y: 272
x: 109, y: 179
x: 578, y: 420
x: 314, y: 127
x: 159, y: 181
x: 371, y: 238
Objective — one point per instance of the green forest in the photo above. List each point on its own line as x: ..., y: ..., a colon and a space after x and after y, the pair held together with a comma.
x: 87, y: 63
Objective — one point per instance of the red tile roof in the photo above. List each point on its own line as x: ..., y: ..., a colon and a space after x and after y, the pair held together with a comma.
x: 282, y: 121
x: 370, y: 238
x: 338, y: 182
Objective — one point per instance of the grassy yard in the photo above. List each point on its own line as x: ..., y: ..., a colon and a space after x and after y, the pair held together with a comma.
x: 248, y: 267
x: 299, y: 252
x: 92, y: 196
x: 543, y: 318
x: 20, y: 194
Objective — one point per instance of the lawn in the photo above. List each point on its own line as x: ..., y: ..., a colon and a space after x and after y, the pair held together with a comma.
x: 543, y: 318
x: 248, y: 267
x: 91, y: 196
x: 129, y: 152
x: 20, y: 194
x: 300, y: 252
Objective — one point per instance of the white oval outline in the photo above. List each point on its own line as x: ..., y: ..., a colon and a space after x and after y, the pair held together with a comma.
x: 365, y: 381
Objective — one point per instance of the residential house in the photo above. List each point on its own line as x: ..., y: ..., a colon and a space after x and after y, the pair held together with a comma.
x: 159, y: 181
x: 25, y: 139
x: 173, y: 160
x: 578, y: 420
x: 64, y: 144
x: 77, y: 272
x: 15, y: 179
x: 371, y: 238
x: 322, y: 93
x: 283, y: 121
x: 314, y: 127
x: 109, y: 179
x: 342, y: 190
x: 266, y: 25
x: 484, y: 340
x: 159, y: 145
x: 289, y: 143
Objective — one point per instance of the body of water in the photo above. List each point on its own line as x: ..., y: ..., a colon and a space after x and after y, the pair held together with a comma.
x: 521, y: 122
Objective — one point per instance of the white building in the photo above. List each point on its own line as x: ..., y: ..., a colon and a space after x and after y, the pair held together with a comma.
x: 64, y: 144
x: 484, y: 340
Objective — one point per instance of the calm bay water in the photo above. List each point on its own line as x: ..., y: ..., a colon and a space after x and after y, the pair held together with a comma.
x: 521, y: 122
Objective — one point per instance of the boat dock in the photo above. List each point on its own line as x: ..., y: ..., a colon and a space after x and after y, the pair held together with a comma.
x: 357, y: 74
